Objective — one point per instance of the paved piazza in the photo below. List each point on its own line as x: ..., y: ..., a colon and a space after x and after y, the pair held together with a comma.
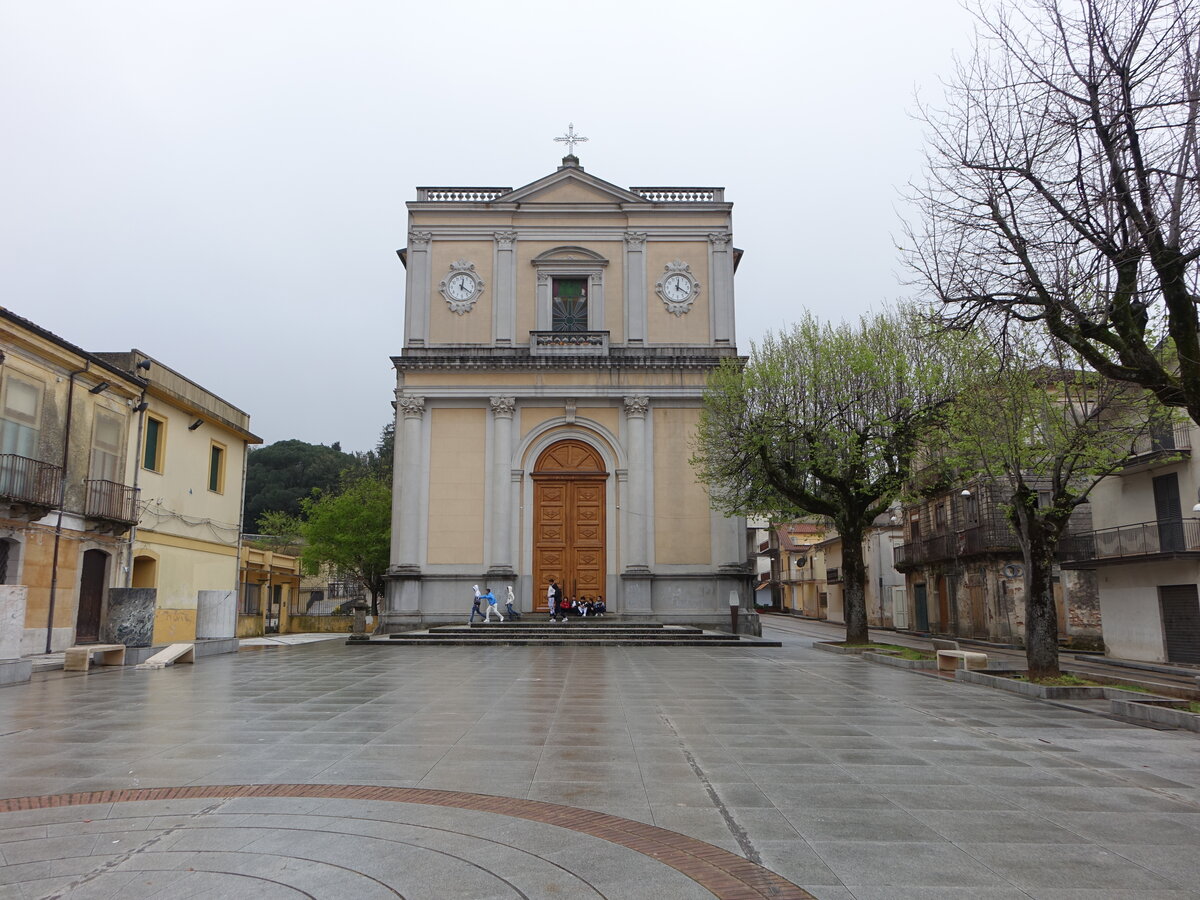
x: 326, y: 771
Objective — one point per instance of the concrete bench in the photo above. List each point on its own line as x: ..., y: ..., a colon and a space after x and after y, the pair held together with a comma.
x: 950, y: 657
x: 184, y: 653
x: 79, y: 658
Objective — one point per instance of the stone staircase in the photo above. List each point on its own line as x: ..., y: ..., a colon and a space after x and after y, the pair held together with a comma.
x: 598, y: 632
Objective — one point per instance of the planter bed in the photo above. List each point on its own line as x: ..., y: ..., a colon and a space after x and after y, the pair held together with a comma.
x: 1050, y: 691
x: 830, y: 647
x: 887, y: 659
x: 1157, y: 711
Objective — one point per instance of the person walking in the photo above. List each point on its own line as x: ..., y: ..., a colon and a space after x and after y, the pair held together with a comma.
x: 491, y: 605
x: 508, y: 604
x: 475, y: 610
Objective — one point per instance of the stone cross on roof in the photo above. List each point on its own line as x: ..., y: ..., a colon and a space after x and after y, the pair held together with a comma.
x: 571, y: 139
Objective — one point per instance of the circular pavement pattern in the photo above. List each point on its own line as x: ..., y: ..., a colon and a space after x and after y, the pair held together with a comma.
x: 327, y: 840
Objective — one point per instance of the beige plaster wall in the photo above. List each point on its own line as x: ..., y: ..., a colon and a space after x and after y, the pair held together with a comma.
x: 607, y: 416
x: 663, y: 327
x: 682, y: 522
x: 533, y: 416
x: 445, y: 326
x: 456, y: 486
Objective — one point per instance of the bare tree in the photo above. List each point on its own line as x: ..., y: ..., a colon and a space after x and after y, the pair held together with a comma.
x: 1062, y: 184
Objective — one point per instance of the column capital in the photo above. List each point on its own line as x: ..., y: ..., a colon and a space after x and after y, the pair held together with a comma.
x: 411, y: 405
x: 503, y: 407
x: 635, y: 240
x: 505, y: 239
x: 419, y: 240
x: 720, y: 239
x: 636, y: 406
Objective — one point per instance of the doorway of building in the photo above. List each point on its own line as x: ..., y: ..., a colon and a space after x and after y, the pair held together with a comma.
x: 91, y: 596
x: 569, y: 486
x: 921, y: 606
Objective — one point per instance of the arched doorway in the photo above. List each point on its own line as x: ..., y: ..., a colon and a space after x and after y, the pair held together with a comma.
x: 91, y: 596
x: 568, y: 521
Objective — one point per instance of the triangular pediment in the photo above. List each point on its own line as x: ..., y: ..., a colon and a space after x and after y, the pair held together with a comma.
x: 570, y: 184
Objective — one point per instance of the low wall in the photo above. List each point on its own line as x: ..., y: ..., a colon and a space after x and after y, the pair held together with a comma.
x: 318, y: 624
x: 249, y: 626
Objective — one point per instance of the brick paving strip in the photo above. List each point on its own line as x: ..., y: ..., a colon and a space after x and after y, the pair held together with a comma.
x: 724, y: 874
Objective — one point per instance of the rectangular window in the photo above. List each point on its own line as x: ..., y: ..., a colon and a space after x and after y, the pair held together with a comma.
x: 216, y: 468
x: 22, y: 408
x: 155, y: 444
x: 105, y: 463
x: 569, y: 305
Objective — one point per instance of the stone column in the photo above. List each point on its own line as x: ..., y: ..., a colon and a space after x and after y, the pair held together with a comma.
x: 416, y: 300
x: 13, y: 669
x: 635, y: 502
x: 721, y: 257
x: 501, y: 485
x: 635, y: 287
x: 407, y: 520
x: 503, y: 292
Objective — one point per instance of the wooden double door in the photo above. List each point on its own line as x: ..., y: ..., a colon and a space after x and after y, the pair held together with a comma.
x: 569, y: 482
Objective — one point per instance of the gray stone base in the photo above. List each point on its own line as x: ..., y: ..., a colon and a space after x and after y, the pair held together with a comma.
x: 15, y: 671
x: 136, y: 655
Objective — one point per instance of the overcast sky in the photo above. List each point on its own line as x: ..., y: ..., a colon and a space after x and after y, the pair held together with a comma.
x: 222, y: 184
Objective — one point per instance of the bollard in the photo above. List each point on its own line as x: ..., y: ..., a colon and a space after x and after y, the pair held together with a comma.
x: 360, y: 621
x: 734, y: 603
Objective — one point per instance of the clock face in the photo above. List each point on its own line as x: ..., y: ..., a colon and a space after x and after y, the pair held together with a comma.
x: 460, y: 286
x: 677, y: 287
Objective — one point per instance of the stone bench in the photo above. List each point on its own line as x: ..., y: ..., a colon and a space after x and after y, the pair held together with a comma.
x: 79, y: 658
x: 950, y: 657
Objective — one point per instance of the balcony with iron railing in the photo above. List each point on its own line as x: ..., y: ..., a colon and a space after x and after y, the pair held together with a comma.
x: 1161, y: 444
x: 110, y: 501
x: 833, y: 575
x: 29, y: 481
x: 1142, y: 542
x: 568, y: 343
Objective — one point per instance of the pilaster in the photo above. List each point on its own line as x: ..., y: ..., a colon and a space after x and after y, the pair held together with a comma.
x: 420, y: 288
x: 635, y: 287
x: 501, y: 562
x: 504, y: 288
x: 634, y: 504
x: 720, y: 251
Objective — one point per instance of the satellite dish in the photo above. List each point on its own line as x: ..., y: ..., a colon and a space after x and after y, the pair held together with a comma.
x: 1012, y: 571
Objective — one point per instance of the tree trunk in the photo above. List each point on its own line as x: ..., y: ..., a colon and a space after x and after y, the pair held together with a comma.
x: 854, y: 580
x: 1041, y: 616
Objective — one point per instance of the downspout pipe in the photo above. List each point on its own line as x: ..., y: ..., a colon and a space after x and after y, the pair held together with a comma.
x: 137, y: 495
x: 62, y: 502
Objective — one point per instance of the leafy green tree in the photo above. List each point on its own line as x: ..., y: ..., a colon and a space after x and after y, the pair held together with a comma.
x: 280, y: 532
x: 350, y: 530
x: 279, y: 476
x: 824, y: 420
x: 1043, y: 429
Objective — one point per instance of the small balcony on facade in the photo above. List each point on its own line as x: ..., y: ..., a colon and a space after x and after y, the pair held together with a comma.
x: 833, y: 575
x: 1142, y: 542
x: 111, y: 502
x: 29, y: 482
x: 1162, y: 444
x: 568, y: 343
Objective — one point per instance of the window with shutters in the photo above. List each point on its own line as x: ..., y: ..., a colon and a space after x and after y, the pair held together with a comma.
x: 105, y: 463
x: 21, y: 416
x: 154, y: 444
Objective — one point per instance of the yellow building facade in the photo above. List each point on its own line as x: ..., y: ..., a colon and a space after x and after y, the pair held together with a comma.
x: 115, y: 472
x: 558, y: 338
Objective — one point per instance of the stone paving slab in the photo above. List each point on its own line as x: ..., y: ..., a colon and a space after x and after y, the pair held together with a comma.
x: 845, y: 779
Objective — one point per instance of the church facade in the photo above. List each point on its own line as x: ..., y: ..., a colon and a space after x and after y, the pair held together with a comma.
x: 557, y: 340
